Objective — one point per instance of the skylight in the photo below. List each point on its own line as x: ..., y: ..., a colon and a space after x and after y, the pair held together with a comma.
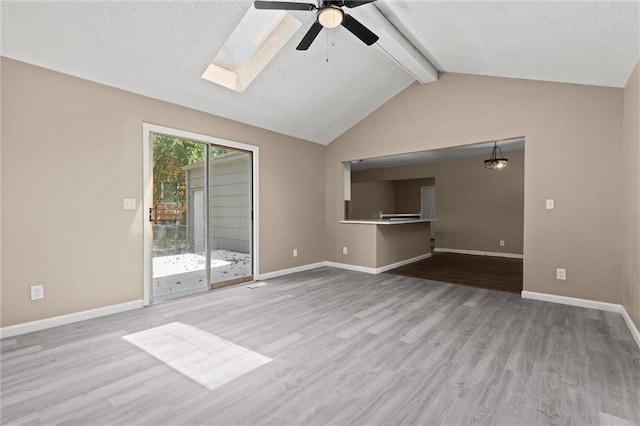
x: 250, y: 47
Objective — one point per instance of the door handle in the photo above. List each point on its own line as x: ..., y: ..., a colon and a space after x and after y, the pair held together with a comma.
x: 151, y: 209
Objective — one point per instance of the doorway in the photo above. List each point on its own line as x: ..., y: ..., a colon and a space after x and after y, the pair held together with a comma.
x: 200, y: 196
x: 428, y: 210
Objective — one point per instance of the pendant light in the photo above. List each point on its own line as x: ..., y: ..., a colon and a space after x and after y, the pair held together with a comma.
x: 497, y: 161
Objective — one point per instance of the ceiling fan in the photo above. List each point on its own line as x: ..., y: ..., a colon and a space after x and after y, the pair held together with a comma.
x: 329, y: 15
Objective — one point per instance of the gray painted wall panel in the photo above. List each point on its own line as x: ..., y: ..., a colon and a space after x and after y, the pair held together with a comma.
x: 230, y: 198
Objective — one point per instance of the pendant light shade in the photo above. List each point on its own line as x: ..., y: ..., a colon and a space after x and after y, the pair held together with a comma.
x: 497, y: 161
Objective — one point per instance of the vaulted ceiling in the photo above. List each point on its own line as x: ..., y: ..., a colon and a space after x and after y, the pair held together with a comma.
x: 160, y: 49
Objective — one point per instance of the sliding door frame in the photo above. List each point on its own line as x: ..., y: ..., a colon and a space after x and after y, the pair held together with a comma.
x: 148, y: 130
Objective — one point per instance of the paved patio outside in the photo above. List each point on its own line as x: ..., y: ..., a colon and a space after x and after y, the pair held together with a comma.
x: 183, y: 274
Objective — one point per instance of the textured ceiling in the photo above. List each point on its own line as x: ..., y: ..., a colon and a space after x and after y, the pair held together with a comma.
x: 584, y: 42
x: 160, y: 49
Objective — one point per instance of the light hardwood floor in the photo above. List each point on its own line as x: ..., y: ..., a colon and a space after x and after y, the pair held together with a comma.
x: 346, y: 348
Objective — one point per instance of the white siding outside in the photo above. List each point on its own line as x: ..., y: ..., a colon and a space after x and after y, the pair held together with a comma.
x: 230, y: 201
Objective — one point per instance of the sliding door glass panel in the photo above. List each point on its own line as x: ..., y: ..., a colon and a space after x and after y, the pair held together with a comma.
x: 178, y: 218
x: 230, y: 210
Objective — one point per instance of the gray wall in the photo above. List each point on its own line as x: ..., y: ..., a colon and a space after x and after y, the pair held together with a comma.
x: 96, y: 134
x: 631, y: 198
x: 230, y: 201
x: 368, y: 198
x: 569, y: 130
x: 475, y: 207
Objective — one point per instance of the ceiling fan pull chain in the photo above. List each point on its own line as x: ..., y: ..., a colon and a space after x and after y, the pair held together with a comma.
x: 327, y: 45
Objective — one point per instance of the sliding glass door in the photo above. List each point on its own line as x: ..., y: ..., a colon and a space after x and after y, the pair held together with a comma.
x: 178, y: 218
x: 230, y: 211
x: 201, y: 217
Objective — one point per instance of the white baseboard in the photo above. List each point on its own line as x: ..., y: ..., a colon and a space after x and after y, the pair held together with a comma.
x: 632, y: 327
x: 28, y: 327
x: 379, y: 270
x: 479, y: 253
x: 584, y: 303
x: 281, y: 272
x: 339, y: 265
x: 573, y: 301
x: 348, y: 267
x: 401, y: 263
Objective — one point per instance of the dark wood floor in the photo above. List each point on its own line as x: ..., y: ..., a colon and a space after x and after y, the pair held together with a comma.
x: 493, y: 273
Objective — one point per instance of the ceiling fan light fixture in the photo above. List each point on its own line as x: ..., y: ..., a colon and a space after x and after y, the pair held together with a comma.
x: 330, y: 16
x: 497, y: 160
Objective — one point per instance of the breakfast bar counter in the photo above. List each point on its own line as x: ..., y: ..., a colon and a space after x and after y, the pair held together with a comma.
x: 386, y: 221
x: 387, y: 245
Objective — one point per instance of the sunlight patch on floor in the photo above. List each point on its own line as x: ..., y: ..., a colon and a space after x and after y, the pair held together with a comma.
x: 201, y: 356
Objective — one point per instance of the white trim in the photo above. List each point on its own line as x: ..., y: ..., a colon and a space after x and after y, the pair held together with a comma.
x: 347, y: 181
x: 584, y: 303
x: 632, y: 327
x: 147, y: 130
x: 28, y: 327
x: 255, y: 173
x: 281, y: 272
x: 478, y: 253
x: 147, y: 198
x: 573, y: 301
x: 348, y: 267
x: 402, y: 263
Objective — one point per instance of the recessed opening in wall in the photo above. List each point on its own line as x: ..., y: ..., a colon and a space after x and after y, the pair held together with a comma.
x: 476, y: 237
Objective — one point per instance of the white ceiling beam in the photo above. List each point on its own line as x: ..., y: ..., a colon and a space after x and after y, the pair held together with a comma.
x: 394, y: 44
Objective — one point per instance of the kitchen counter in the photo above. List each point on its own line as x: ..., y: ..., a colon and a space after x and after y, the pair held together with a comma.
x: 387, y: 221
x: 382, y: 247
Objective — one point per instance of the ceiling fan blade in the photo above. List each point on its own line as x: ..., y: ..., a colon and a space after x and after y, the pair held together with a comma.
x: 283, y: 5
x: 359, y: 30
x: 349, y: 3
x: 310, y: 36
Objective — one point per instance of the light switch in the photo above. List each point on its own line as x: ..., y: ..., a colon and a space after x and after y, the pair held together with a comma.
x: 129, y: 203
x: 551, y: 204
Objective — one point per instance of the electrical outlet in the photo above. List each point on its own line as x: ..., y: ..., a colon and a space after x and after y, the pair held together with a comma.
x: 37, y: 292
x: 551, y: 204
x: 501, y: 243
x: 345, y: 250
x: 295, y: 252
x: 561, y: 274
